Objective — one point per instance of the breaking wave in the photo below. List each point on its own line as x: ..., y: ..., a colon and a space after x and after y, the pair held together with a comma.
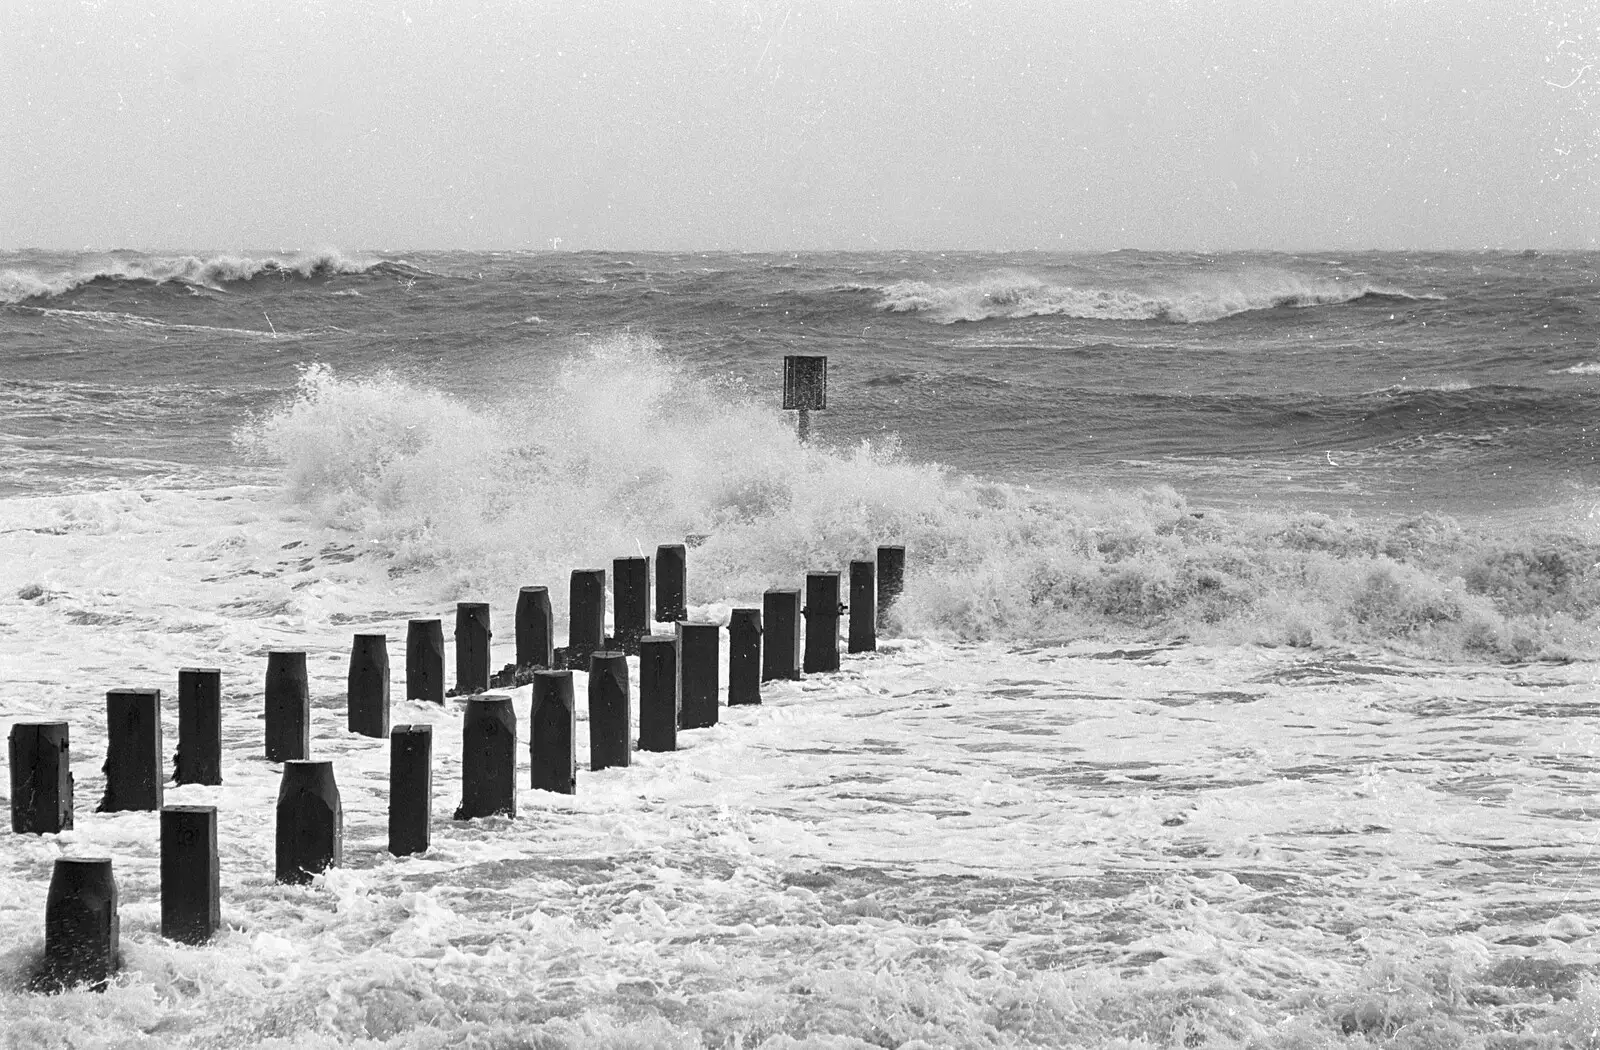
x: 1010, y: 294
x: 186, y: 271
x: 623, y: 449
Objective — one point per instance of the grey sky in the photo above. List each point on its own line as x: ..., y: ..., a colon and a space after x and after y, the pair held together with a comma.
x: 770, y: 125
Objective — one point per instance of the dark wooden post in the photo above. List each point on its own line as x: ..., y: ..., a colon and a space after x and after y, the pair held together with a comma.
x: 425, y: 661
x: 410, y: 789
x: 891, y: 580
x: 288, y: 706
x: 672, y: 583
x: 698, y: 674
x: 863, y: 608
x: 630, y: 599
x: 41, y: 778
x: 133, y: 750
x: 822, y: 622
x: 198, y: 759
x: 805, y: 388
x: 472, y: 647
x: 191, y: 900
x: 586, y: 617
x: 744, y: 657
x: 780, y: 654
x: 553, y: 733
x: 658, y: 693
x: 536, y: 636
x: 81, y: 926
x: 488, y: 758
x: 367, y: 697
x: 610, y: 711
x: 310, y: 836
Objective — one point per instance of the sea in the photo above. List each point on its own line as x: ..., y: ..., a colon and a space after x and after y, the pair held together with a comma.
x: 1242, y: 692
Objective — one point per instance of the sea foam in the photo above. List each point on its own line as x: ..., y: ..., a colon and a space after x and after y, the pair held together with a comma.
x: 620, y: 448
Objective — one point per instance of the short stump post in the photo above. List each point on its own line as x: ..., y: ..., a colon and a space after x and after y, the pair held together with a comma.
x: 41, y: 778
x: 744, y: 657
x: 891, y: 580
x: 191, y: 900
x: 81, y: 927
x: 780, y: 654
x: 367, y: 697
x: 863, y: 607
x: 536, y: 636
x: 198, y: 759
x: 410, y: 789
x: 698, y: 674
x: 553, y: 733
x: 672, y: 583
x: 488, y: 758
x: 658, y: 693
x: 472, y: 647
x: 425, y: 661
x: 610, y: 710
x: 822, y: 622
x: 310, y: 835
x: 630, y: 598
x: 586, y: 609
x: 288, y: 706
x: 133, y: 750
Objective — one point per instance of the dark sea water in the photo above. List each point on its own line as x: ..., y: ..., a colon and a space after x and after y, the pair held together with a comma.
x: 1242, y: 692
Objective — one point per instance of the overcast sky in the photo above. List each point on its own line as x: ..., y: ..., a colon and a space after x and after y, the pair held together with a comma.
x: 776, y: 124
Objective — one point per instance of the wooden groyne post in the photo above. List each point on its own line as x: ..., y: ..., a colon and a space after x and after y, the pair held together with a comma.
x: 672, y: 583
x: 41, y: 778
x: 410, y: 789
x: 288, y: 706
x: 630, y: 599
x: 780, y: 651
x: 658, y: 693
x: 698, y: 674
x: 610, y: 711
x: 863, y: 635
x: 536, y: 636
x: 81, y: 926
x: 367, y: 692
x: 744, y: 657
x: 891, y: 580
x: 472, y: 647
x: 822, y: 612
x: 805, y: 389
x: 586, y: 609
x: 133, y: 750
x: 191, y: 901
x: 553, y: 733
x: 310, y: 831
x: 488, y: 758
x: 198, y: 759
x: 425, y: 661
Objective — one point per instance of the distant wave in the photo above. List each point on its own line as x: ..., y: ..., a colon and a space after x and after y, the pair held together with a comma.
x: 1585, y: 368
x: 1010, y: 294
x: 191, y: 272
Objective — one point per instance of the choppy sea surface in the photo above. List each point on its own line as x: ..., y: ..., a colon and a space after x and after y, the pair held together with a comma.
x: 1242, y: 692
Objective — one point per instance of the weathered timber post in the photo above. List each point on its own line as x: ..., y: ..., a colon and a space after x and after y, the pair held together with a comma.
x: 658, y: 693
x: 133, y: 750
x: 553, y: 733
x: 425, y: 661
x: 536, y: 636
x: 805, y: 389
x: 780, y: 654
x: 310, y: 836
x: 472, y: 647
x: 191, y: 900
x: 488, y: 758
x: 288, y: 708
x: 698, y: 674
x: 630, y: 599
x: 410, y: 789
x: 367, y: 696
x: 610, y: 711
x: 891, y: 580
x: 863, y: 608
x: 41, y: 778
x: 586, y: 616
x: 822, y: 622
x: 198, y: 759
x: 81, y: 926
x: 672, y: 583
x: 744, y: 657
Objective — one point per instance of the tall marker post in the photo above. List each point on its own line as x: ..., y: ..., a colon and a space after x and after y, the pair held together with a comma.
x: 805, y: 389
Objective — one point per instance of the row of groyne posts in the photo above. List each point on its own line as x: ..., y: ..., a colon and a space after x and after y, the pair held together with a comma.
x: 678, y: 689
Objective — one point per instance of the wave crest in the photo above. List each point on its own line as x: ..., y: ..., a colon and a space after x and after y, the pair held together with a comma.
x: 213, y: 272
x: 1010, y: 294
